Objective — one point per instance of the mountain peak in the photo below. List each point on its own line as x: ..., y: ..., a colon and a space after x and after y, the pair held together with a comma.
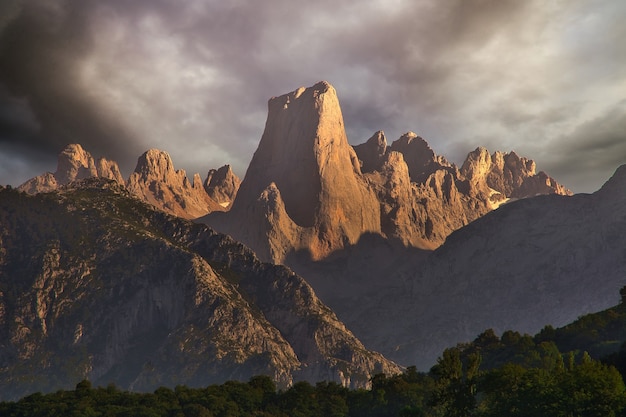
x: 617, y: 183
x: 222, y: 185
x: 304, y: 150
x: 508, y: 175
x: 155, y: 163
x: 156, y: 181
x: 372, y: 153
x: 73, y: 163
x: 418, y: 155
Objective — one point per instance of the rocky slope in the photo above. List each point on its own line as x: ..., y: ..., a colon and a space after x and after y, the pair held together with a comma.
x: 308, y: 193
x: 533, y: 262
x: 154, y: 180
x: 96, y: 284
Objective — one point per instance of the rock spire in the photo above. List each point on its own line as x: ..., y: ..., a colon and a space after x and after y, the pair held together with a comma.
x: 304, y: 166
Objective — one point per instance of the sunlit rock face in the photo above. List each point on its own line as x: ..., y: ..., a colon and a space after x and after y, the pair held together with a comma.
x: 304, y: 180
x: 128, y: 294
x: 508, y: 175
x: 74, y: 163
x: 307, y: 191
x: 154, y: 180
x: 435, y: 198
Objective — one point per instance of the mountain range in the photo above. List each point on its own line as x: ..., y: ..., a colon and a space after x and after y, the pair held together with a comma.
x: 96, y: 284
x: 410, y: 251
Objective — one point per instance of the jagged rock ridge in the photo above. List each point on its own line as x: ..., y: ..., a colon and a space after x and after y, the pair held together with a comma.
x: 308, y: 192
x: 154, y: 180
x: 92, y: 277
x: 434, y: 198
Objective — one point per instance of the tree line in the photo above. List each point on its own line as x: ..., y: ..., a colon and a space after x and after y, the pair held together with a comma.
x: 550, y: 374
x: 515, y: 375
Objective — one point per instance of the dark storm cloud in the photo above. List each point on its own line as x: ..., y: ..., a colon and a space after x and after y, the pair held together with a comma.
x: 39, y: 52
x: 598, y: 146
x: 193, y: 78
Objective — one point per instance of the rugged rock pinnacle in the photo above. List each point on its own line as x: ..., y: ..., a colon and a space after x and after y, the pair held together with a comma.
x: 304, y: 151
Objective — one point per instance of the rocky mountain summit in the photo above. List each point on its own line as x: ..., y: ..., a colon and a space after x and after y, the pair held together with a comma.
x: 307, y: 192
x: 96, y: 284
x: 157, y: 182
x: 154, y: 180
x: 74, y: 163
x: 303, y: 189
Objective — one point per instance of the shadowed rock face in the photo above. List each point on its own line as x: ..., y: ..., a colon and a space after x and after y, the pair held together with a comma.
x: 128, y: 294
x: 372, y: 153
x: 222, y: 185
x: 306, y: 167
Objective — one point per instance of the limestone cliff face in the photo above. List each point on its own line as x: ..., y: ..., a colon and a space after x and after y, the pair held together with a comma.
x: 506, y: 175
x: 434, y: 198
x: 156, y: 181
x: 304, y: 152
x: 109, y: 170
x: 91, y: 276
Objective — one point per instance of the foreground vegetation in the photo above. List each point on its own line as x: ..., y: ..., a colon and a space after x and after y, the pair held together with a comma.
x: 562, y: 385
x: 551, y: 374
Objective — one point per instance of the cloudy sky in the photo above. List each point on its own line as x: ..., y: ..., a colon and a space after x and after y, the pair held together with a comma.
x: 544, y: 78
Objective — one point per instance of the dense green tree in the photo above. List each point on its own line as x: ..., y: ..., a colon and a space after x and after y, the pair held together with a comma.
x: 456, y: 383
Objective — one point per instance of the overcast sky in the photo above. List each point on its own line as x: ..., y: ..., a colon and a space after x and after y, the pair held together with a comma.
x: 546, y: 79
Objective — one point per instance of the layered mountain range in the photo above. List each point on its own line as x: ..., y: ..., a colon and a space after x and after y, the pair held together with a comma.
x: 96, y: 284
x: 530, y: 263
x: 412, y: 252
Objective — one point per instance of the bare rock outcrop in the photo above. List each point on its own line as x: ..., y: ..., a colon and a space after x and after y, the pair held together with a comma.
x: 109, y: 170
x: 157, y: 182
x: 372, y: 153
x: 222, y: 185
x: 307, y: 191
x: 506, y: 175
x: 73, y: 163
x: 437, y: 198
x: 305, y: 153
x: 418, y: 155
